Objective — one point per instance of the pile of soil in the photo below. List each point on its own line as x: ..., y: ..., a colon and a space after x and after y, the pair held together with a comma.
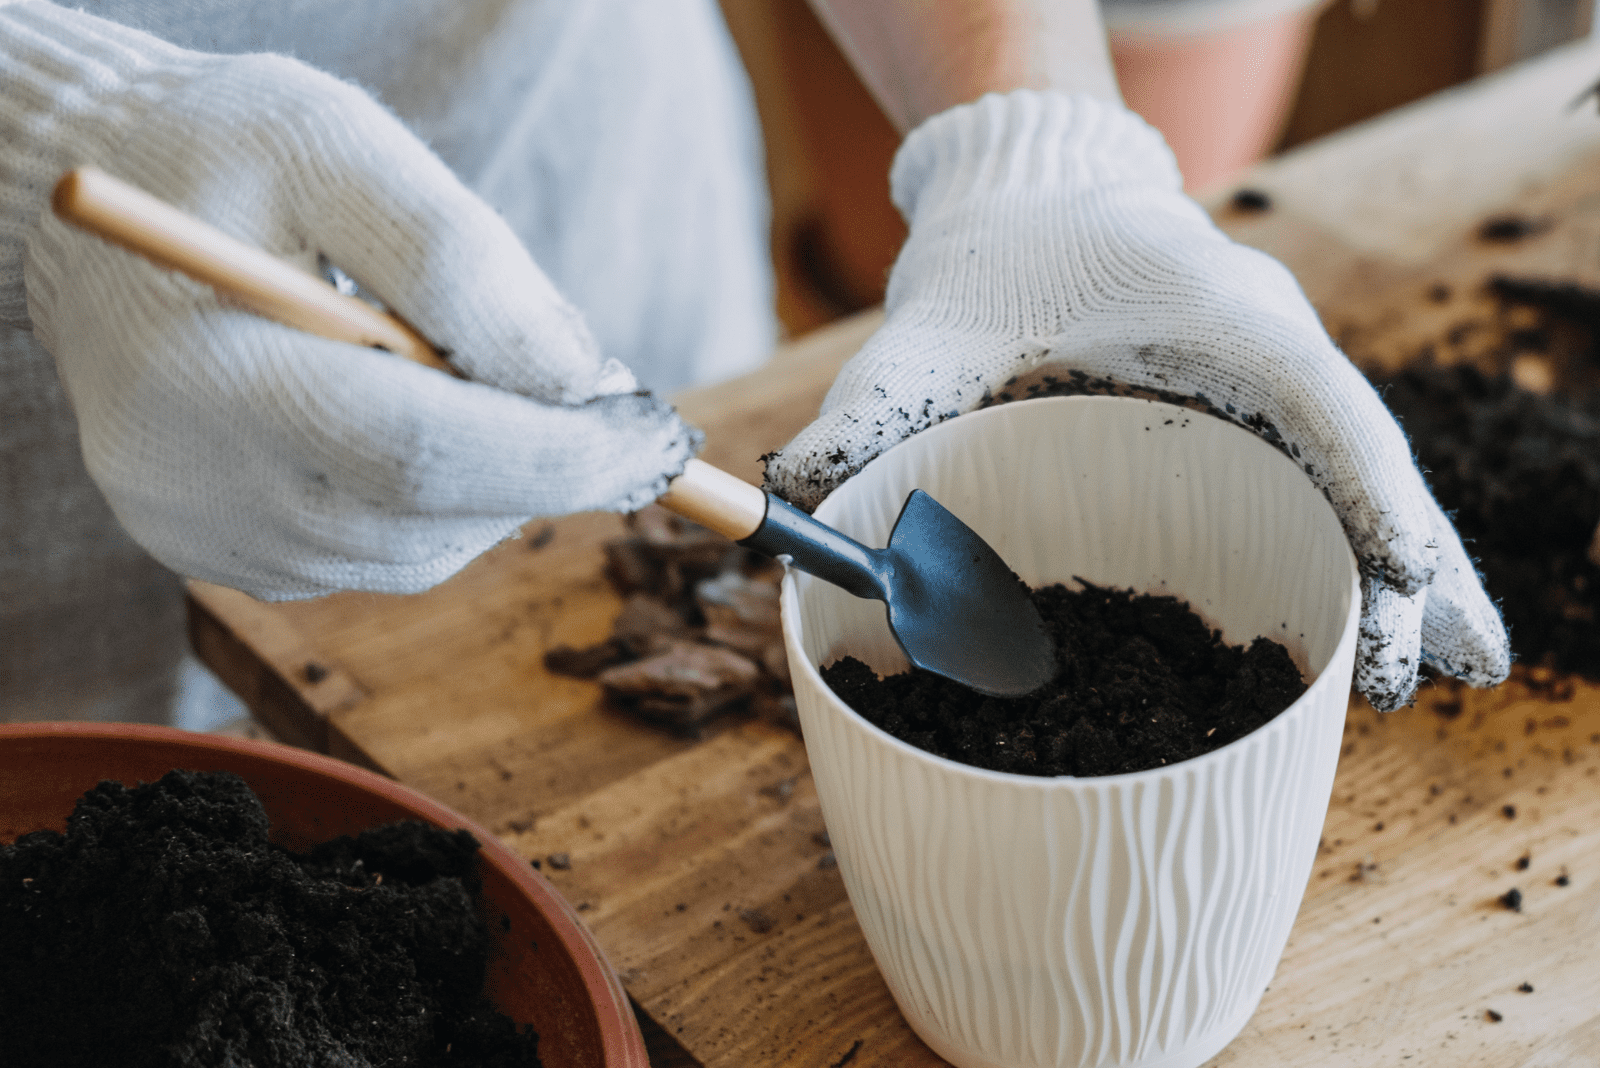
x: 164, y: 930
x: 1519, y: 472
x: 1142, y: 683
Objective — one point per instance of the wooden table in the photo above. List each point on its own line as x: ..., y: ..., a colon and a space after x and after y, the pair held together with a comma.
x: 701, y: 865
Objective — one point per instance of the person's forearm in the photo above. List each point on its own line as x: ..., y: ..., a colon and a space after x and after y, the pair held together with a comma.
x: 919, y: 57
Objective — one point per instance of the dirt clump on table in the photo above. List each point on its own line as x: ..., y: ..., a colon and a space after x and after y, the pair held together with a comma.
x: 698, y: 635
x: 163, y: 930
x: 1518, y: 469
x: 1142, y: 682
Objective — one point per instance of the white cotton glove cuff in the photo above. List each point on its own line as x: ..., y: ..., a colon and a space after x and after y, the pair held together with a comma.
x: 1023, y: 146
x: 1051, y: 250
x: 250, y: 454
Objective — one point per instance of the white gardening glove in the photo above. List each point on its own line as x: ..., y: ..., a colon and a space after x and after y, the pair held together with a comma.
x: 1051, y: 250
x: 247, y: 453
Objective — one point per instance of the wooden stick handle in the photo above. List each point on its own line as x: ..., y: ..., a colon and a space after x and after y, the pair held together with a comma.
x: 713, y: 498
x: 268, y: 286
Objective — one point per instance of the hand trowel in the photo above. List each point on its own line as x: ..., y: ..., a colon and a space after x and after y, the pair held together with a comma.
x: 953, y: 605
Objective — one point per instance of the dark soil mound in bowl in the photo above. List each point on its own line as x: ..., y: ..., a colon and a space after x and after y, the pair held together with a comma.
x: 1143, y: 683
x: 163, y: 929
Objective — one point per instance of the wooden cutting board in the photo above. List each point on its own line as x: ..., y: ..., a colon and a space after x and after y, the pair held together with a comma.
x: 702, y: 866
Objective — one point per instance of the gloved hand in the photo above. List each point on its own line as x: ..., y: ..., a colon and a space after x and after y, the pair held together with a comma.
x: 250, y: 454
x: 1052, y: 250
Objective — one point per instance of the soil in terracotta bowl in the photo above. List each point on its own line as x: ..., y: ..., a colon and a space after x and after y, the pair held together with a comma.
x: 164, y: 929
x: 1143, y: 682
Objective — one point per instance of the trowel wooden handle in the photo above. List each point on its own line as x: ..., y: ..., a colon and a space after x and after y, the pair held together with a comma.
x: 127, y: 216
x: 713, y: 498
x: 275, y: 289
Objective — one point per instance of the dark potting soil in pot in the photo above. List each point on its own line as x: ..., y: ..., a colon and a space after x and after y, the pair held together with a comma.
x: 1143, y: 682
x: 163, y: 930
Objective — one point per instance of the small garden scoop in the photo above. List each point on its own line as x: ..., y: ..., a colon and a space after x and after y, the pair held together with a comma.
x: 953, y: 605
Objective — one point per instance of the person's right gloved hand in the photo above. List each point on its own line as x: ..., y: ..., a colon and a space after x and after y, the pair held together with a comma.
x: 1051, y: 250
x: 247, y: 453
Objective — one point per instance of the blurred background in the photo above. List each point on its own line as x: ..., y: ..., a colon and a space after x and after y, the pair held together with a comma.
x: 835, y: 232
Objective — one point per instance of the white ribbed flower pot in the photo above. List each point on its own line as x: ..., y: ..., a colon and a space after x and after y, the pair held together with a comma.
x: 1129, y: 920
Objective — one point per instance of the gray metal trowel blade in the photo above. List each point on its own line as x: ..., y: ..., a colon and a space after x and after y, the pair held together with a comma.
x: 954, y: 606
x: 958, y: 610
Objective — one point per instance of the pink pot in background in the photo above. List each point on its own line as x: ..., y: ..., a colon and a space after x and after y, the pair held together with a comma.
x: 1218, y: 80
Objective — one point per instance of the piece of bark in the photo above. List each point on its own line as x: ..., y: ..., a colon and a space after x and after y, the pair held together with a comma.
x: 776, y: 708
x: 589, y: 661
x: 631, y: 568
x: 684, y: 669
x: 699, y: 632
x: 657, y: 526
x: 647, y: 625
x: 686, y: 551
x: 683, y: 685
x: 775, y: 659
x: 736, y: 599
x: 740, y: 612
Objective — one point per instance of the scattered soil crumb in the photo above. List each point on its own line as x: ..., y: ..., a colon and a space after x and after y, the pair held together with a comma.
x: 849, y: 1054
x: 756, y: 920
x: 1494, y: 1017
x: 1142, y: 682
x: 1523, y: 861
x: 1508, y: 811
x: 1512, y: 899
x: 1526, y: 988
x: 1507, y: 228
x: 1252, y: 201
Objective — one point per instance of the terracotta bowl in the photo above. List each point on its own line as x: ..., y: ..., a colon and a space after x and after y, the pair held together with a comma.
x: 546, y: 969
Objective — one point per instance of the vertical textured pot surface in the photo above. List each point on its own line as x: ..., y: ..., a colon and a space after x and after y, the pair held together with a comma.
x: 1123, y: 920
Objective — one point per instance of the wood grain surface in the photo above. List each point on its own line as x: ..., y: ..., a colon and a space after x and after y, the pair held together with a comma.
x: 702, y: 865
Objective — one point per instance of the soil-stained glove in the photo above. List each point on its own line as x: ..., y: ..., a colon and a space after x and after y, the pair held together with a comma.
x: 247, y: 453
x: 1052, y: 250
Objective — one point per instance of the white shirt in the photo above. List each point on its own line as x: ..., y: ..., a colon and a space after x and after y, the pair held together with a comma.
x: 619, y: 139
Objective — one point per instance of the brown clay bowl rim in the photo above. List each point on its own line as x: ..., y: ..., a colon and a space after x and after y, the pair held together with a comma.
x: 619, y: 1030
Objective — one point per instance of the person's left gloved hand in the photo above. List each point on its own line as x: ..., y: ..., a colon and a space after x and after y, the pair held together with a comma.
x: 1051, y: 249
